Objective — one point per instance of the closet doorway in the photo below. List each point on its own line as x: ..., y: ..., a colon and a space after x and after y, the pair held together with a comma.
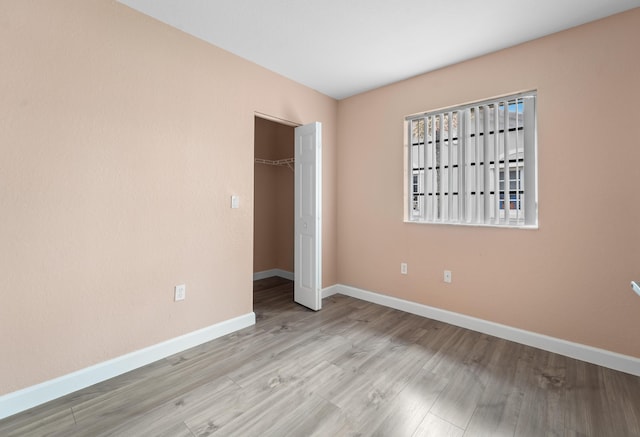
x: 274, y: 185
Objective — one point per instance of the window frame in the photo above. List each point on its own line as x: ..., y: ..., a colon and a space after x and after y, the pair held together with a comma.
x: 452, y: 168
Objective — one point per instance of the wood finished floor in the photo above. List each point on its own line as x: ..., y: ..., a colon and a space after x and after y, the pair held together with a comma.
x: 353, y: 368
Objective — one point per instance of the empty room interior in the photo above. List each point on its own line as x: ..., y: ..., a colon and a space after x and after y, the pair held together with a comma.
x: 476, y: 227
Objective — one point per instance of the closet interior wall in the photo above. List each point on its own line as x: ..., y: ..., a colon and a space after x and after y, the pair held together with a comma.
x: 273, y: 227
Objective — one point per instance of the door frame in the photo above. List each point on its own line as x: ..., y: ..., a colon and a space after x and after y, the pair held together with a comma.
x: 294, y: 124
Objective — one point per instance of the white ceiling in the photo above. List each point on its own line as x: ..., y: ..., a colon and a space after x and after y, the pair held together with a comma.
x: 345, y: 47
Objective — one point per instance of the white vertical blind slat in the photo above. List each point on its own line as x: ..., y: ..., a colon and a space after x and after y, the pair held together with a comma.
x: 434, y: 180
x: 450, y: 164
x: 438, y: 172
x: 462, y: 169
x: 477, y: 174
x: 530, y: 183
x: 517, y: 166
x: 411, y: 165
x: 506, y: 203
x: 422, y: 161
x: 496, y: 163
x: 486, y: 170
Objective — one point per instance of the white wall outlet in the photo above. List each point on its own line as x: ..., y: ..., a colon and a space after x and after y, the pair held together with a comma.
x: 180, y: 292
x: 447, y: 276
x: 235, y: 202
x: 403, y: 268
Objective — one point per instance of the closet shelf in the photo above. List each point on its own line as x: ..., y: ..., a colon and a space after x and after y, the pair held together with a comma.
x: 278, y: 162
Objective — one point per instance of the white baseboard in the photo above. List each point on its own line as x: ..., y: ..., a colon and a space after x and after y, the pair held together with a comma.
x: 330, y: 291
x: 273, y: 272
x: 30, y: 397
x: 601, y: 357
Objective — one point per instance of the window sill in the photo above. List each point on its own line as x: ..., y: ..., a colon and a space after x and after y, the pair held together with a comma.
x: 475, y: 225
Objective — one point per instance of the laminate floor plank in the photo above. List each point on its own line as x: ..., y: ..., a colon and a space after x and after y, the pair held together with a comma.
x: 368, y: 395
x: 175, y: 430
x: 372, y: 341
x: 352, y: 369
x: 45, y: 420
x: 140, y: 398
x: 325, y: 419
x: 448, y: 348
x: 412, y: 405
x: 458, y: 401
x: 544, y: 402
x: 434, y: 426
x: 498, y: 407
x: 288, y: 398
x: 289, y: 367
x: 232, y: 404
x: 464, y: 364
x: 622, y: 395
x: 171, y: 414
x: 503, y: 371
x: 591, y: 413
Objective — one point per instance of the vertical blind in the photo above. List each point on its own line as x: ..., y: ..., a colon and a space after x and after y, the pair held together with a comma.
x: 475, y: 164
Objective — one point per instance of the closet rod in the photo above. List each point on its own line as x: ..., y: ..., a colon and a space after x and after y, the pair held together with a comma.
x: 278, y: 162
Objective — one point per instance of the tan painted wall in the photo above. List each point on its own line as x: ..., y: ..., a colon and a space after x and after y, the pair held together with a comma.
x: 121, y: 142
x: 568, y: 279
x: 273, y: 236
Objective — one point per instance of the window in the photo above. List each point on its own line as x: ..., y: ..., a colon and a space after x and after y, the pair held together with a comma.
x: 458, y: 159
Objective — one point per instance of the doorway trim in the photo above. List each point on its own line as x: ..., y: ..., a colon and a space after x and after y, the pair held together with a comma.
x: 286, y: 122
x: 276, y: 119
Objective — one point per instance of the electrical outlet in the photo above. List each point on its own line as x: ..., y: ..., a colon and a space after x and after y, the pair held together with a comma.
x: 180, y: 292
x: 447, y: 276
x: 403, y: 268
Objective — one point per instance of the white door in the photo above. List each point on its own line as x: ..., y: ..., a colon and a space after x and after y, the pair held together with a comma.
x: 308, y: 216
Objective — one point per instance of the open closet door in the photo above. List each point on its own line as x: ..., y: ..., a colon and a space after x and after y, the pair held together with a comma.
x: 308, y: 216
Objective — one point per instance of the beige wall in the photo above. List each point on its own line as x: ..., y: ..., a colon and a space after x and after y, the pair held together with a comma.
x: 122, y: 140
x: 568, y: 279
x: 273, y: 235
